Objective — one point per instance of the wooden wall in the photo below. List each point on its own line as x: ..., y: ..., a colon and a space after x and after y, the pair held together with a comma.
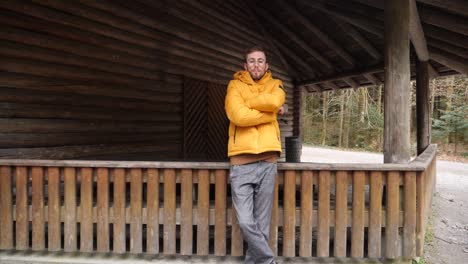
x: 104, y: 79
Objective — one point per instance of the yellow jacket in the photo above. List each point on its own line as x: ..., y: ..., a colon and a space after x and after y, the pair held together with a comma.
x: 252, y: 108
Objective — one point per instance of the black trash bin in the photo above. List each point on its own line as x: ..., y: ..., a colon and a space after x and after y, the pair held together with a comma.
x: 293, y: 149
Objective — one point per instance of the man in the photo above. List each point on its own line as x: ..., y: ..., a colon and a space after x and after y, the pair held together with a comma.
x: 253, y: 101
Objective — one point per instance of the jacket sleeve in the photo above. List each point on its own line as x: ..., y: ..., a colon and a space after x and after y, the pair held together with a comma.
x: 240, y: 114
x: 268, y: 102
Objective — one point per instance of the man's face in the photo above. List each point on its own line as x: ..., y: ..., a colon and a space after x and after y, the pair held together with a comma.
x: 256, y: 65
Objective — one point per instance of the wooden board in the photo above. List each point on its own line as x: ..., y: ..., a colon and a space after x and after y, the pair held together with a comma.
x: 357, y: 229
x: 169, y: 238
x: 409, y: 228
x: 341, y: 216
x: 203, y: 212
x: 102, y: 210
x: 22, y: 214
x: 186, y: 223
x: 119, y: 211
x: 53, y: 226
x: 305, y: 241
x: 152, y: 222
x: 38, y: 228
x: 220, y: 213
x: 6, y: 217
x: 323, y: 225
x: 289, y: 216
x: 375, y: 215
x: 393, y: 213
x: 136, y: 216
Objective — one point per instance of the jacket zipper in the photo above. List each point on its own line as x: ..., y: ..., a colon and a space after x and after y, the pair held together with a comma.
x: 235, y: 131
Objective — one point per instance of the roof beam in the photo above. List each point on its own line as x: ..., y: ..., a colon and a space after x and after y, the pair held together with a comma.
x: 331, y: 85
x: 449, y: 59
x: 446, y: 21
x: 351, y: 82
x: 417, y: 34
x: 359, y: 38
x: 320, y: 35
x: 308, y: 69
x: 268, y: 37
x: 349, y: 17
x: 429, y: 16
x: 377, y: 68
x: 462, y: 52
x: 432, y: 71
x: 373, y: 79
x: 297, y: 40
x: 456, y: 6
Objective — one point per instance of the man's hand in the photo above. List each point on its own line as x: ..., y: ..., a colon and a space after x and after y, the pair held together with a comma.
x: 281, y: 110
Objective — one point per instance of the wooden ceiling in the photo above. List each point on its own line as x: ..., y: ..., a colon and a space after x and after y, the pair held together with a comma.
x: 334, y: 44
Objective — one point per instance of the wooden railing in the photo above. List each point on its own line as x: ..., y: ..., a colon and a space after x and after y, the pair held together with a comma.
x: 323, y: 210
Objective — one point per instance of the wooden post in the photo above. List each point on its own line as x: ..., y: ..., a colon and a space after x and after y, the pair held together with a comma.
x: 397, y: 82
x: 297, y: 108
x: 422, y: 106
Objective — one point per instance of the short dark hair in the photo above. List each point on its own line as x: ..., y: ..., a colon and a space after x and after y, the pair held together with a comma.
x: 253, y: 49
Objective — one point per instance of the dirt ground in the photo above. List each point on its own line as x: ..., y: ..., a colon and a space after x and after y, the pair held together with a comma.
x: 447, y: 238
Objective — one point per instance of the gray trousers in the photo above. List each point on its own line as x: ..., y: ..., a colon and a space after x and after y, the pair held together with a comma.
x: 252, y: 187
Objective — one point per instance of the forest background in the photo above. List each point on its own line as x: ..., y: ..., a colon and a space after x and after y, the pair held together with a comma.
x: 354, y: 118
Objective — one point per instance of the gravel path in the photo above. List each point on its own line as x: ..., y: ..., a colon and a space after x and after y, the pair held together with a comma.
x: 448, y: 242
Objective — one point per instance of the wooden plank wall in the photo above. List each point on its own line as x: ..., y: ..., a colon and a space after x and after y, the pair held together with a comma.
x: 103, y: 79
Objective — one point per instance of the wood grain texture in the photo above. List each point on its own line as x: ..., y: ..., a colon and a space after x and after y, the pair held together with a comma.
x: 6, y: 217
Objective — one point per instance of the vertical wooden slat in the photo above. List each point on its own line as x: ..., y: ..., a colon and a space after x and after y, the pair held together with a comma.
x: 70, y: 210
x: 203, y: 206
x: 169, y: 212
x: 273, y: 241
x: 119, y: 211
x: 6, y: 213
x: 341, y: 214
x: 186, y: 224
x: 220, y: 212
x: 391, y: 227
x: 22, y: 220
x: 237, y: 246
x: 421, y: 212
x: 375, y: 215
x: 289, y: 223
x: 409, y: 228
x: 323, y: 225
x: 136, y: 211
x: 357, y: 229
x: 305, y: 243
x: 102, y: 210
x: 53, y: 226
x: 86, y: 207
x: 38, y: 228
x: 152, y: 222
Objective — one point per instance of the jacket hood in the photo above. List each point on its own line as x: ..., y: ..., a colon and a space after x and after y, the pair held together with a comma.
x: 244, y: 76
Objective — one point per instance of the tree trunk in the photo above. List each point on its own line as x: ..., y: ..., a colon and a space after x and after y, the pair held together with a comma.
x: 324, y: 117
x: 340, y: 134
x: 349, y: 94
x: 379, y: 108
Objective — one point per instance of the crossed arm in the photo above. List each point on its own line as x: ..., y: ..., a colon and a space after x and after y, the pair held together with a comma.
x: 256, y: 111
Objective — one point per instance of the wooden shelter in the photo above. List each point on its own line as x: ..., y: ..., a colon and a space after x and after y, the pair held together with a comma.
x: 142, y: 83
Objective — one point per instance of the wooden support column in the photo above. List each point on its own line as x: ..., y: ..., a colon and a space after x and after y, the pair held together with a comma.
x: 422, y: 106
x: 397, y: 82
x: 297, y: 108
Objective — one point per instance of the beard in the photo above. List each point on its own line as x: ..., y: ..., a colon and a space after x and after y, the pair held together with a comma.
x: 257, y: 75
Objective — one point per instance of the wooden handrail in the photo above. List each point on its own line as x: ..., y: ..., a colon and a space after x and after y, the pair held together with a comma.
x: 418, y: 164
